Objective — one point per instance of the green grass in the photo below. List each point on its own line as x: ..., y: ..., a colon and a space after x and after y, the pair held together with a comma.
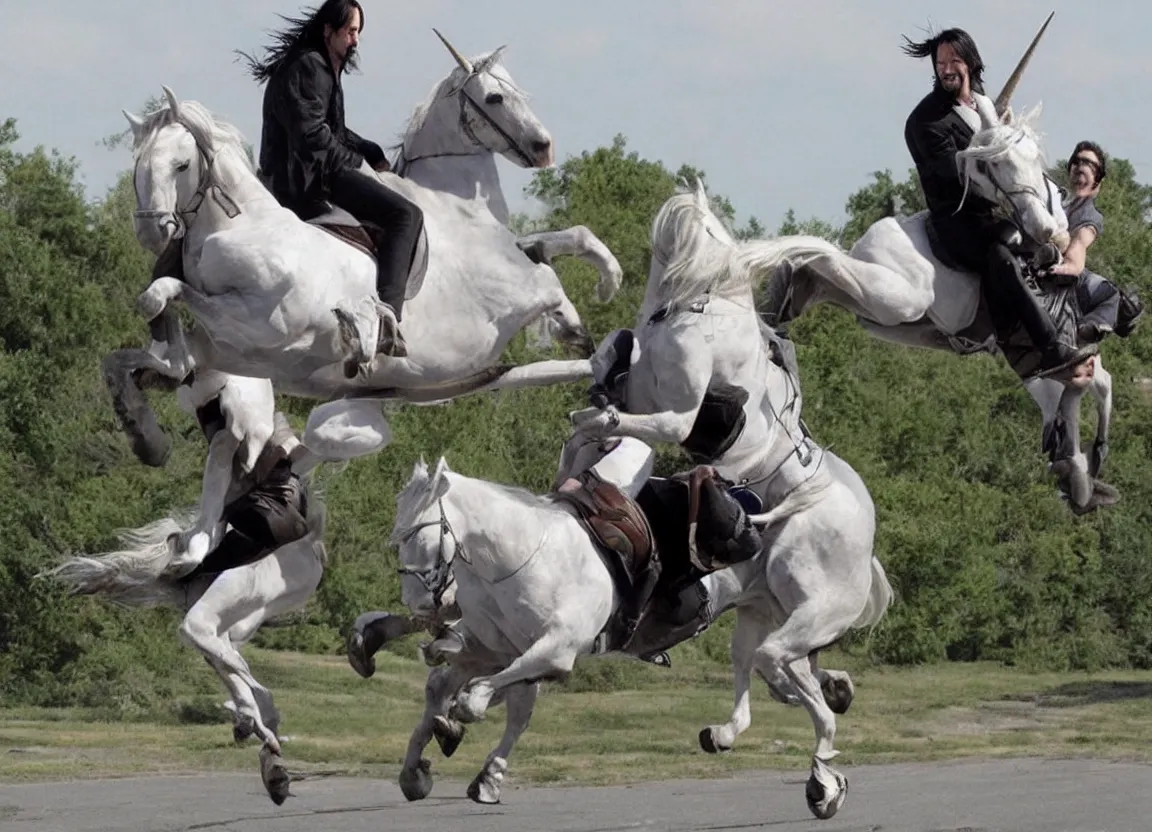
x: 614, y: 722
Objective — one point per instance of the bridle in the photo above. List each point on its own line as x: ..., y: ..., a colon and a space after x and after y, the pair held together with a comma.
x: 439, y: 577
x: 182, y: 218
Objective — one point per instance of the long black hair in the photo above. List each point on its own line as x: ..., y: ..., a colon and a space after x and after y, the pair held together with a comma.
x: 304, y: 33
x: 965, y: 47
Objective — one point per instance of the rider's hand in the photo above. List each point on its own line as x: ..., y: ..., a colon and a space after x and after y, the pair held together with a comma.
x: 1065, y: 268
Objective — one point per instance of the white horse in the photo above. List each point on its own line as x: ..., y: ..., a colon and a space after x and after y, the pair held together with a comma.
x: 698, y: 331
x: 263, y: 285
x: 900, y: 291
x: 221, y: 611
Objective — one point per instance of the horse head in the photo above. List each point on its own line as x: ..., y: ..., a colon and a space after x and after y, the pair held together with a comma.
x: 1004, y: 163
x: 478, y: 108
x: 175, y: 151
x: 427, y: 544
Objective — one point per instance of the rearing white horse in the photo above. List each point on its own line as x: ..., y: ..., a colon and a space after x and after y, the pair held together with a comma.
x: 262, y: 284
x: 534, y: 592
x: 900, y: 291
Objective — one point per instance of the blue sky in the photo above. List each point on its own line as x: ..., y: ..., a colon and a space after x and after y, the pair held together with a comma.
x: 783, y: 104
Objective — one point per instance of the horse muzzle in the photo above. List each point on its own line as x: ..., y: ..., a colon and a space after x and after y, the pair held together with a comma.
x: 156, y: 229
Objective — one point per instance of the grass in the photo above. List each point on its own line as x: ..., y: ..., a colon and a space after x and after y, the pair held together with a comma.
x: 615, y: 722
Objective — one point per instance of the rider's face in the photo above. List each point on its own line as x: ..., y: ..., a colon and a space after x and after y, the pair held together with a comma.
x: 342, y: 42
x: 951, y: 69
x: 1082, y: 171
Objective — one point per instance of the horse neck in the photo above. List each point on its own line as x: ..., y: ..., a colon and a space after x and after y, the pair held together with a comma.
x: 482, y: 514
x: 233, y: 180
x: 446, y: 160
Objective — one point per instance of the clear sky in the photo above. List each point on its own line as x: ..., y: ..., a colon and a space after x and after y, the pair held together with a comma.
x: 783, y: 104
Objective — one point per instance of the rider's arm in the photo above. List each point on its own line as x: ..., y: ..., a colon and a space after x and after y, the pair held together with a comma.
x: 1075, y: 257
x: 369, y: 150
x: 937, y: 149
x: 302, y: 107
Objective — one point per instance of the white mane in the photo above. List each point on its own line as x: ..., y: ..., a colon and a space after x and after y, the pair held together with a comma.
x: 212, y: 133
x: 694, y: 247
x: 994, y: 142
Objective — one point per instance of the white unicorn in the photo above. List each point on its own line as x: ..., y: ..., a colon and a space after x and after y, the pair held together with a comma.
x: 278, y: 298
x: 900, y: 291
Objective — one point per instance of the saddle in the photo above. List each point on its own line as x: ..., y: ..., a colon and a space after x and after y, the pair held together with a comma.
x: 616, y: 523
x: 343, y: 226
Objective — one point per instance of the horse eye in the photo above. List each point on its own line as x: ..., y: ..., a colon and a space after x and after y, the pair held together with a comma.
x: 494, y: 98
x: 183, y: 166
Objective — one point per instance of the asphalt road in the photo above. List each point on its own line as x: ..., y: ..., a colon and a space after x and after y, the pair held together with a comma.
x: 1016, y: 795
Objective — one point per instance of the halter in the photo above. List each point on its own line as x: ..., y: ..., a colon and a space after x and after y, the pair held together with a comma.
x: 438, y: 577
x: 182, y: 218
x: 466, y: 129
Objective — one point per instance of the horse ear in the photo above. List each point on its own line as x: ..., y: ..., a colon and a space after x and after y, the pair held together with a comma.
x: 136, y: 123
x: 173, y: 102
x: 441, y: 468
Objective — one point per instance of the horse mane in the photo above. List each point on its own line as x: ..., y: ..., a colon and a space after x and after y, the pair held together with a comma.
x: 200, y: 122
x: 696, y: 259
x: 993, y: 142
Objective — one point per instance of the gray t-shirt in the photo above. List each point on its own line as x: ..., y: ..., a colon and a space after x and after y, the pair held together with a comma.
x: 1082, y: 211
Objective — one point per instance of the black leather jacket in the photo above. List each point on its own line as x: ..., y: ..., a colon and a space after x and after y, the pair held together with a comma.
x: 304, y: 138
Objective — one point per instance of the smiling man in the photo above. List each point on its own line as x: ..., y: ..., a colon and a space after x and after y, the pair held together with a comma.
x: 966, y: 227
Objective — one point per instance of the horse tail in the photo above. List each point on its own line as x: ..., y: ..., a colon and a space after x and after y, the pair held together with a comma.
x: 132, y: 575
x: 880, y: 597
x: 759, y: 258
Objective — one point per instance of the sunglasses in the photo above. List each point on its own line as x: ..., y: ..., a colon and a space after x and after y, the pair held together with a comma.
x: 1084, y: 160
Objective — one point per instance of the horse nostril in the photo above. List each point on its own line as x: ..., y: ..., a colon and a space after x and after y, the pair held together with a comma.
x: 541, y: 147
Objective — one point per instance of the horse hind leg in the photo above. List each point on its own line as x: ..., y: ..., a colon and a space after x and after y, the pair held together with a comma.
x: 835, y: 685
x: 809, y: 627
x: 748, y: 635
x: 519, y: 701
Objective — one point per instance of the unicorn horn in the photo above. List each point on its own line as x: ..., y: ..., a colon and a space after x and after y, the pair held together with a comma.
x: 465, y: 64
x: 1010, y: 85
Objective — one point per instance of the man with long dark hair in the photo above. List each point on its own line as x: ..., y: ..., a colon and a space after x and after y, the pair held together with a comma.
x: 940, y: 126
x: 309, y: 156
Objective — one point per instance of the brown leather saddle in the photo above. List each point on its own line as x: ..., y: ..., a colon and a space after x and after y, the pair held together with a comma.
x: 362, y: 237
x: 617, y: 524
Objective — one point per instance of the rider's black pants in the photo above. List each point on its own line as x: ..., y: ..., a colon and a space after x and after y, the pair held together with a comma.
x: 400, y: 220
x: 973, y: 241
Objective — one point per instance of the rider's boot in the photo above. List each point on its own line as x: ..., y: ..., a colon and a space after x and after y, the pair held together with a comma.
x: 671, y: 621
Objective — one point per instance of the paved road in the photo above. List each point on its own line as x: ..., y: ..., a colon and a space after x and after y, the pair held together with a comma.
x: 1016, y: 795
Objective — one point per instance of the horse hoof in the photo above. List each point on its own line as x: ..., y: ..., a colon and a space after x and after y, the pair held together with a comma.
x: 825, y: 790
x: 416, y: 784
x: 485, y: 787
x: 275, y: 776
x: 709, y: 742
x: 448, y: 734
x: 361, y: 662
x: 838, y: 694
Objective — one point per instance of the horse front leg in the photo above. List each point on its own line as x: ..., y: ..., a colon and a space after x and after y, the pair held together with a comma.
x: 126, y: 374
x: 226, y: 319
x: 581, y: 243
x: 416, y: 773
x: 519, y: 702
x: 194, y: 545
